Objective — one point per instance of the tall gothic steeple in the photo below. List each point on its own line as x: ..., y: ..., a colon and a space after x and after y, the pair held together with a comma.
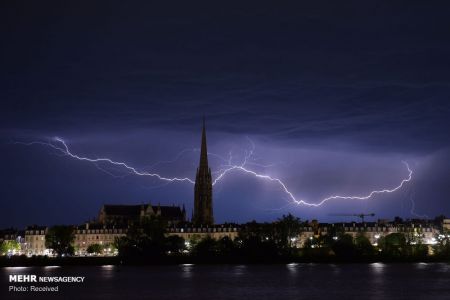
x: 204, y: 150
x: 203, y: 206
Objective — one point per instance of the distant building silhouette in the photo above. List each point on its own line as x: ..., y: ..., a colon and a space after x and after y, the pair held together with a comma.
x: 203, y: 206
x: 132, y: 214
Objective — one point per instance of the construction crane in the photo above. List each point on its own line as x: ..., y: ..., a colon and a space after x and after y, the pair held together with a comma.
x: 361, y: 216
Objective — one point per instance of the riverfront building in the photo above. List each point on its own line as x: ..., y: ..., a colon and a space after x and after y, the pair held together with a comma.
x: 35, y: 241
x: 105, y: 235
x: 90, y: 234
x: 423, y: 232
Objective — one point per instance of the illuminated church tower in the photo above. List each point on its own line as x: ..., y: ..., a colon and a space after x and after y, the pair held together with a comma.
x: 203, y: 206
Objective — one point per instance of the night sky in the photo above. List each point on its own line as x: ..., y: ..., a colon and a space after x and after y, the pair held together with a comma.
x: 334, y: 95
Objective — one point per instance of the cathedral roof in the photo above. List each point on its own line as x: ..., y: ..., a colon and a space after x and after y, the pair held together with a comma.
x: 124, y: 210
x: 169, y: 212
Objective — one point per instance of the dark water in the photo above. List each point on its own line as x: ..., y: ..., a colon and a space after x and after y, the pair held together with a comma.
x: 293, y: 281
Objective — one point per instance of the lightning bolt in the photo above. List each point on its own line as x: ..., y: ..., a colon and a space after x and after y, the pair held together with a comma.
x: 366, y: 197
x: 66, y: 151
x: 413, y: 207
x: 223, y: 171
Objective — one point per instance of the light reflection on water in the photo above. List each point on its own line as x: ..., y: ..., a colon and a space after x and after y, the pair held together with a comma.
x: 292, y: 267
x: 335, y: 269
x: 108, y: 267
x: 186, y: 270
x: 421, y: 266
x: 378, y: 267
x: 16, y: 268
x: 444, y: 267
x: 49, y: 270
x: 108, y: 271
x: 239, y: 270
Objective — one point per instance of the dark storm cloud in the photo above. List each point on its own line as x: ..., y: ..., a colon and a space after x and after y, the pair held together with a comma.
x: 365, y: 83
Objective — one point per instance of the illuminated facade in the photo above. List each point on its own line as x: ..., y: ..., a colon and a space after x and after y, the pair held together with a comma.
x: 102, y: 235
x: 35, y: 240
x: 215, y: 232
x: 446, y: 224
x: 423, y: 233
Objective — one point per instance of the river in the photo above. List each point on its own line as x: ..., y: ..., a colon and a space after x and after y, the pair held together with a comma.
x: 288, y: 281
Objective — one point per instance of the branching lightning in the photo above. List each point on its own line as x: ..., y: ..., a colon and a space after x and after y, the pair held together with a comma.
x: 366, y: 197
x: 61, y: 146
x: 413, y: 207
x: 66, y: 151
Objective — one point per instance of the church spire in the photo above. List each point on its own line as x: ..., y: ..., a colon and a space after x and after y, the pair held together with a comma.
x: 203, y: 206
x: 203, y: 150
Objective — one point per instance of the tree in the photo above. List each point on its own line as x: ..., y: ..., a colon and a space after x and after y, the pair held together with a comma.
x: 94, y: 249
x: 256, y: 249
x: 311, y: 243
x: 60, y: 239
x: 193, y: 241
x: 438, y: 220
x: 154, y: 228
x: 226, y: 247
x: 287, y: 230
x: 393, y: 244
x: 344, y: 247
x: 442, y: 247
x: 110, y: 248
x: 261, y: 231
x: 175, y: 244
x: 3, y: 248
x: 363, y: 246
x: 414, y: 244
x: 125, y: 246
x: 146, y: 239
x: 398, y: 220
x: 206, y: 248
x: 334, y: 233
x: 9, y: 246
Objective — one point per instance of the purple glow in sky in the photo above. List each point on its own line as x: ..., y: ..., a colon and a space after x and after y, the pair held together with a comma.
x: 334, y: 97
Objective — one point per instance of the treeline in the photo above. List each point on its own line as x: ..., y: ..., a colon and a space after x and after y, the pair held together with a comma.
x: 9, y: 247
x: 272, y: 243
x: 266, y: 242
